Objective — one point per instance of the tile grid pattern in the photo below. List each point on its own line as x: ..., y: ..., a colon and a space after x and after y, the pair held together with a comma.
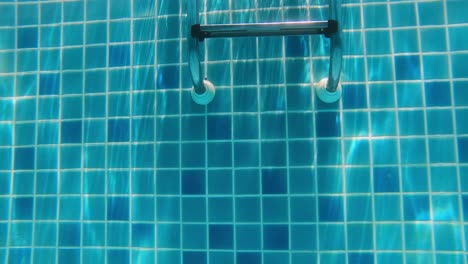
x: 346, y: 142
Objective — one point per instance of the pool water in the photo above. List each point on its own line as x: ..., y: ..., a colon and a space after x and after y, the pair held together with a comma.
x: 105, y: 158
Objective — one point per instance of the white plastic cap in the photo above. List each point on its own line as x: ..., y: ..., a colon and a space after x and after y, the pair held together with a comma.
x: 325, y: 95
x: 206, y: 97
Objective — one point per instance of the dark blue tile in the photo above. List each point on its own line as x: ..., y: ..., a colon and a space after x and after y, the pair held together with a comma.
x: 362, y: 258
x: 437, y: 93
x: 274, y: 181
x: 275, y: 237
x: 118, y: 208
x: 24, y: 158
x: 407, y: 67
x: 354, y: 96
x: 168, y: 77
x: 297, y: 46
x: 19, y: 255
x: 219, y: 127
x: 331, y: 209
x: 416, y: 207
x: 465, y: 207
x: 49, y: 84
x: 143, y: 235
x: 194, y: 257
x: 119, y: 55
x: 22, y: 208
x: 118, y: 256
x: 71, y: 256
x: 249, y: 257
x: 462, y: 149
x: 118, y: 130
x: 221, y: 236
x: 193, y: 182
x: 386, y: 179
x: 71, y: 132
x: 327, y: 124
x: 27, y: 38
x: 69, y: 234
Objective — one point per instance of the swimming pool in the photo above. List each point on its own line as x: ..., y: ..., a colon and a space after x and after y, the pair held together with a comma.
x: 105, y: 158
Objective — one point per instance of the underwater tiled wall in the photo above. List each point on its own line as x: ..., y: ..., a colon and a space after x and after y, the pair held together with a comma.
x: 105, y: 158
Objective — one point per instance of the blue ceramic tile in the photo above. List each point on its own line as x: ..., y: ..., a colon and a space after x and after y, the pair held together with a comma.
x: 24, y: 158
x: 327, y: 124
x: 119, y: 55
x: 328, y: 152
x: 119, y: 9
x: 143, y: 235
x: 331, y: 238
x: 407, y: 67
x: 51, y: 36
x: 96, y: 10
x: 460, y: 115
x: 388, y: 236
x: 168, y: 77
x: 9, y: 17
x: 445, y: 208
x: 49, y: 84
x: 221, y: 236
x: 72, y: 59
x: 303, y: 237
x: 194, y: 236
x: 220, y: 154
x: 357, y: 152
x: 385, y: 151
x: 405, y: 40
x: 24, y: 183
x: 359, y: 208
x: 358, y: 180
x: 439, y: 122
x: 143, y: 156
x: 372, y: 20
x: 49, y: 60
x: 71, y: 132
x: 275, y: 209
x: 364, y: 258
x: 219, y: 127
x: 298, y: 71
x: 46, y: 208
x: 19, y: 255
x: 435, y: 67
x: 51, y: 13
x: 273, y: 153
x: 430, y: 39
x: 96, y: 33
x: 27, y: 38
x: 441, y: 150
x: 94, y: 234
x: 383, y: 123
x: 386, y: 179
x: 455, y: 12
x: 94, y: 59
x: 427, y: 16
x: 413, y: 151
x: 193, y: 155
x: 69, y: 234
x: 67, y: 208
x: 27, y: 14
x: 119, y: 31
x: 71, y: 256
x: 93, y: 208
x: 378, y: 42
x: 73, y: 11
x: 117, y: 208
x: 72, y: 35
x: 355, y: 123
x: 416, y: 207
x: 220, y: 209
x: 462, y: 144
x: 244, y: 69
x: 118, y: 182
x: 247, y: 209
x: 193, y: 182
x: 190, y: 214
x: 170, y: 156
x: 387, y: 208
x: 167, y: 128
x: 437, y: 93
x: 354, y: 96
x: 446, y: 237
x: 361, y: 232
x: 144, y: 29
x: 274, y: 181
x: 143, y: 209
x: 118, y: 256
x: 275, y: 237
x: 168, y: 236
x: 118, y: 130
x: 403, y: 15
x: 27, y: 60
x: 145, y: 9
x: 94, y: 182
x: 90, y: 255
x: 95, y: 131
x: 411, y: 122
x: 249, y: 257
x: 72, y: 83
x: 25, y: 134
x: 331, y: 209
x: 247, y: 182
x: 194, y: 257
x: 70, y: 157
x: 168, y: 27
x: 9, y: 59
x: 457, y: 65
